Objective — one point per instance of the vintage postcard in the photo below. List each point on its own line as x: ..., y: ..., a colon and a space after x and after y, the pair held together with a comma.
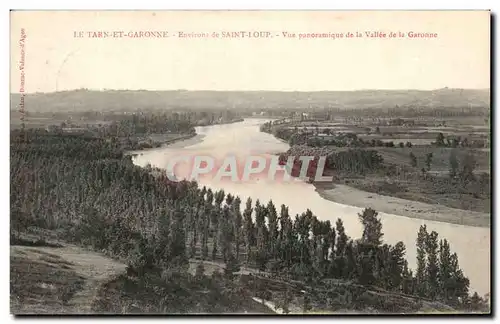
x: 250, y: 162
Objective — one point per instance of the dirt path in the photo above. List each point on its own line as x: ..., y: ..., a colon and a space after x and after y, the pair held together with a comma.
x: 94, y: 268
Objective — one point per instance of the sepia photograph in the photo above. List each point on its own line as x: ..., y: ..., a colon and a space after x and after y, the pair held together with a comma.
x: 250, y: 162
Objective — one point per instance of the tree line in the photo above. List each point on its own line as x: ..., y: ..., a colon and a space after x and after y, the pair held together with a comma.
x: 351, y: 161
x: 457, y: 141
x: 298, y: 136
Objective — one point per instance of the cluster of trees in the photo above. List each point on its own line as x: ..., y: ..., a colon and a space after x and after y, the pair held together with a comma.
x: 86, y: 187
x: 428, y: 161
x: 126, y: 124
x: 401, y: 122
x: 354, y: 161
x: 134, y: 130
x: 311, y: 138
x: 461, y: 179
x: 438, y: 275
x: 351, y: 140
x: 463, y: 169
x: 457, y: 141
x: 152, y: 123
x: 419, y: 112
x: 397, y: 113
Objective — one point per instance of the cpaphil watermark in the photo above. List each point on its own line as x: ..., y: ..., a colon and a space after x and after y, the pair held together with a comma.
x: 253, y: 167
x: 22, y: 41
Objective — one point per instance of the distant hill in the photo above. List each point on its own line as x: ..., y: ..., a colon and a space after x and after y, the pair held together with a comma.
x: 127, y: 100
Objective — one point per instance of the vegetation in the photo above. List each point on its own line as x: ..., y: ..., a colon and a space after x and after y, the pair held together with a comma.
x: 43, y: 280
x: 87, y: 188
x: 313, y: 139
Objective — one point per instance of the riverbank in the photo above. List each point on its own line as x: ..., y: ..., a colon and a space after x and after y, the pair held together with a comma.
x: 178, y: 142
x: 195, y: 138
x: 178, y: 139
x: 237, y: 120
x: 347, y: 195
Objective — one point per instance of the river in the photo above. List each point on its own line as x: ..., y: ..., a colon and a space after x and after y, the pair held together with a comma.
x: 472, y: 244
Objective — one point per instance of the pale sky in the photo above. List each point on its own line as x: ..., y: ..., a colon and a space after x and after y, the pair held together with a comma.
x: 54, y: 59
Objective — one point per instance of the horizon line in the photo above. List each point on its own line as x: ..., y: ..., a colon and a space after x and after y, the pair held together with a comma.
x: 205, y: 90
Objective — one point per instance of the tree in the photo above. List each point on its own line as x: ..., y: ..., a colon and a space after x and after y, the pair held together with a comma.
x: 205, y: 223
x: 200, y: 271
x: 440, y: 139
x: 238, y: 222
x: 413, y: 160
x: 327, y: 242
x: 331, y: 240
x: 226, y: 233
x: 453, y: 164
x: 368, y: 247
x: 229, y: 199
x: 372, y: 227
x: 340, y: 250
x: 177, y: 240
x: 365, y: 263
x: 468, y: 166
x: 286, y: 237
x: 272, y: 217
x: 302, y: 226
x: 432, y: 270
x: 407, y: 284
x: 232, y: 266
x: 396, y: 265
x: 214, y: 216
x: 216, y: 213
x: 445, y: 272
x: 315, y: 246
x: 219, y: 198
x: 478, y: 304
x: 349, y: 267
x: 428, y: 160
x: 194, y: 224
x: 460, y: 283
x: 248, y: 227
x: 306, y: 303
x: 260, y: 224
x: 421, y: 274
x: 262, y: 247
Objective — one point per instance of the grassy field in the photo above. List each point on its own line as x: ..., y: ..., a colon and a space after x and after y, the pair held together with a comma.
x: 41, y: 282
x: 440, y: 157
x: 433, y: 188
x: 46, y: 279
